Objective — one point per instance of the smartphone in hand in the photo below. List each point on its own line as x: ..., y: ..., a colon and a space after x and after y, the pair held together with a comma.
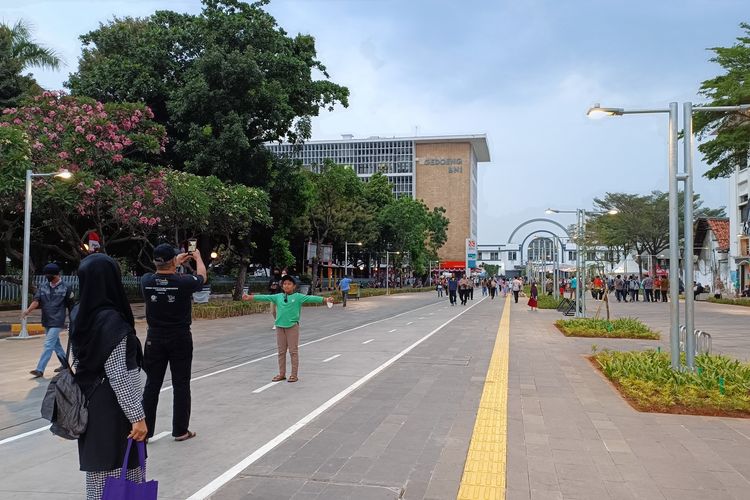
x: 192, y: 245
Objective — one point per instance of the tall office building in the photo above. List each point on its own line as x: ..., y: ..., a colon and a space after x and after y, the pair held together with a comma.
x: 439, y: 170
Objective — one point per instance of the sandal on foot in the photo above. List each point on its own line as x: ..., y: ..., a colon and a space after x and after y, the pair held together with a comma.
x: 278, y: 378
x: 186, y: 436
x: 293, y: 378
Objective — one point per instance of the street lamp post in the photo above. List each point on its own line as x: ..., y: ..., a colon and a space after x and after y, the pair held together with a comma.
x: 387, y: 254
x: 429, y: 271
x: 674, y: 255
x: 62, y: 174
x: 346, y: 255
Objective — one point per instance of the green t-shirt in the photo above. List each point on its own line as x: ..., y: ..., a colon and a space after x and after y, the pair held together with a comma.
x: 287, y: 312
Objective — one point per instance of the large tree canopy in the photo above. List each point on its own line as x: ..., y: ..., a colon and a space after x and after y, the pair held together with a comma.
x: 223, y: 82
x: 729, y: 133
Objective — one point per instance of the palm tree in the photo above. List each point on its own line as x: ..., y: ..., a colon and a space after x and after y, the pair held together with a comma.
x: 18, y: 52
x: 19, y: 46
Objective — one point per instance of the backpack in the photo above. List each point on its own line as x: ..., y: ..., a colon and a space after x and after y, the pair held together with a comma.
x: 65, y: 404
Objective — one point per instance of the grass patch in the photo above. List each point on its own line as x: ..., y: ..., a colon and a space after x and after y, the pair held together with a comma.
x: 620, y: 328
x: 735, y: 302
x: 228, y: 309
x: 720, y: 386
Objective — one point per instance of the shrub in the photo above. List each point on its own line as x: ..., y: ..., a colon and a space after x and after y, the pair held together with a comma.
x: 720, y: 385
x: 736, y: 302
x: 227, y: 309
x: 619, y: 328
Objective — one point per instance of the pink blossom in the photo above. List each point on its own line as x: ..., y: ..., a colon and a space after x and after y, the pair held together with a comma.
x: 151, y: 221
x: 63, y: 155
x: 8, y: 111
x: 79, y: 129
x: 38, y: 145
x: 143, y: 220
x: 90, y: 191
x: 137, y: 204
x: 79, y: 150
x: 91, y: 137
x: 17, y: 121
x: 117, y: 158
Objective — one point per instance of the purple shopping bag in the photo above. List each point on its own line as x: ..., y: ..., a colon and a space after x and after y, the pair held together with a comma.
x: 119, y: 488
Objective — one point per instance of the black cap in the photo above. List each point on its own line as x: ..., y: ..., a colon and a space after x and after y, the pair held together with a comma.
x: 287, y: 277
x: 52, y: 269
x: 164, y: 253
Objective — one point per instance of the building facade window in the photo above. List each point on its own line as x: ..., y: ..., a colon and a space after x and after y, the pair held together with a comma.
x: 494, y: 256
x: 572, y: 255
x: 512, y: 256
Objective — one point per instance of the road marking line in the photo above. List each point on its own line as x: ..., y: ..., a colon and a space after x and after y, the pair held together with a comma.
x: 409, y: 323
x: 332, y: 357
x: 391, y: 331
x: 163, y: 389
x: 368, y: 341
x: 485, y: 467
x: 20, y: 436
x: 158, y: 436
x: 421, y: 317
x: 227, y: 476
x: 263, y: 388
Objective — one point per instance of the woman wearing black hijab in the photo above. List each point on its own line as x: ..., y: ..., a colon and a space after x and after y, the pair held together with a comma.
x: 108, y: 357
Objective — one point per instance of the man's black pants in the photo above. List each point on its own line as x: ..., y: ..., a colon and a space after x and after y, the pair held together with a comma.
x: 176, y: 350
x: 452, y: 296
x: 515, y: 295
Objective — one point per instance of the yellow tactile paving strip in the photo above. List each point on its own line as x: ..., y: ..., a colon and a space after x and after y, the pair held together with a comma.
x: 484, y: 471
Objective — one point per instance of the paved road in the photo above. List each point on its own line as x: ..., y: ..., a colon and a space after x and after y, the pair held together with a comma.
x: 404, y: 351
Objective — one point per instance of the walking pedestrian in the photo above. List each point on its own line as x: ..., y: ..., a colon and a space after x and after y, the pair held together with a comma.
x: 169, y: 340
x: 289, y: 305
x: 439, y: 288
x: 516, y: 288
x: 664, y: 289
x: 534, y: 296
x: 492, y: 288
x: 55, y: 298
x: 452, y: 289
x: 619, y: 288
x: 344, y: 284
x: 107, y: 357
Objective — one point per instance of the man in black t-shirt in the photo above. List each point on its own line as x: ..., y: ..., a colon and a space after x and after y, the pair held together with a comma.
x: 168, y: 298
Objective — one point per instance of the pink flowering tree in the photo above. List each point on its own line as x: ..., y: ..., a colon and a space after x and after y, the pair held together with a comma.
x: 110, y: 148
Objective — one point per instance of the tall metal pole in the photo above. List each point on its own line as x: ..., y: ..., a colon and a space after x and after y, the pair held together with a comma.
x: 26, y: 251
x: 346, y: 258
x: 674, y: 242
x: 584, y: 271
x: 579, y: 250
x: 687, y: 117
x: 387, y: 254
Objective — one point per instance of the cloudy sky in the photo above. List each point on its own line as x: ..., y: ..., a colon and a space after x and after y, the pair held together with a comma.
x: 521, y: 71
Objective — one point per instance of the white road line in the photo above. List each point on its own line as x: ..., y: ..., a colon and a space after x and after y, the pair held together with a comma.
x: 391, y: 331
x: 35, y: 431
x: 261, y: 389
x: 20, y: 436
x: 368, y: 341
x: 158, y: 436
x: 227, y: 476
x: 409, y: 323
x: 332, y: 357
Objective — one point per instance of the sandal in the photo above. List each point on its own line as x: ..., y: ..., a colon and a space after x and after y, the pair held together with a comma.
x: 278, y: 378
x: 186, y: 436
x: 293, y: 378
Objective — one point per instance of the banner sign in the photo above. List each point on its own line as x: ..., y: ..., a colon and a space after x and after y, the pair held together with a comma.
x: 471, y: 254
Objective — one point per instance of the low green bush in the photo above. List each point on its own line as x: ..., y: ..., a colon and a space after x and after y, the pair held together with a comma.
x: 622, y: 328
x: 719, y: 386
x: 227, y: 309
x: 737, y: 302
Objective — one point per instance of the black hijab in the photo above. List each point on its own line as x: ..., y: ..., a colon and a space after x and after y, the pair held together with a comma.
x: 102, y: 317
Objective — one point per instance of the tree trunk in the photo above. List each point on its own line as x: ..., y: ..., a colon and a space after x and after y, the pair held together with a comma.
x: 239, y: 285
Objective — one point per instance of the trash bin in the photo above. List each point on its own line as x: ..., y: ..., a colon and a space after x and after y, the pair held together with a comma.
x: 202, y: 296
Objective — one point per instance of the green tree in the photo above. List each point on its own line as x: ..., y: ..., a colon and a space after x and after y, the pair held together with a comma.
x: 19, y: 52
x: 728, y: 133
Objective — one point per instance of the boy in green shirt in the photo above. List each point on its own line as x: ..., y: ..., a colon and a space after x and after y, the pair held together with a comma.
x: 288, y: 307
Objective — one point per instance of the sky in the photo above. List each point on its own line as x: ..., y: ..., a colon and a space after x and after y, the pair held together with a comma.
x: 523, y: 72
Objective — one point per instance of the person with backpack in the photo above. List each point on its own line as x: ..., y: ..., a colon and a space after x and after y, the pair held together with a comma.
x: 107, y: 360
x: 55, y: 298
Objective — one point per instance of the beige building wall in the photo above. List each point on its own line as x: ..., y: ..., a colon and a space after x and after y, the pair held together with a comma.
x: 443, y: 178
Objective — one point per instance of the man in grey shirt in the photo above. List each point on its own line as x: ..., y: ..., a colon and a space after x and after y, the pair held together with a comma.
x: 55, y: 298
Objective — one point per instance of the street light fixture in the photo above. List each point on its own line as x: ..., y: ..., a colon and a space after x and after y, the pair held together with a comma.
x: 387, y: 254
x: 60, y: 174
x: 346, y: 255
x: 674, y: 256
